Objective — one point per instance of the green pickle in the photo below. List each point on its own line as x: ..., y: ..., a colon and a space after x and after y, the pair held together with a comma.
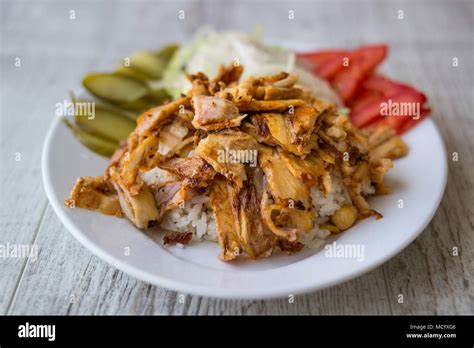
x: 115, y: 88
x: 129, y: 71
x: 137, y: 106
x: 158, y: 96
x: 106, y: 123
x: 166, y: 53
x: 149, y: 64
x: 126, y: 93
x: 98, y: 145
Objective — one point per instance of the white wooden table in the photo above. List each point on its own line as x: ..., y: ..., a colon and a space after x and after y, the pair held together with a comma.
x: 55, y: 51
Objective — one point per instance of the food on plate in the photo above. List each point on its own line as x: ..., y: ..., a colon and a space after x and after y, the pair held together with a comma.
x: 102, y: 146
x: 135, y: 86
x: 125, y: 88
x: 101, y: 125
x: 353, y: 76
x: 259, y: 164
x: 211, y: 49
x: 346, y: 78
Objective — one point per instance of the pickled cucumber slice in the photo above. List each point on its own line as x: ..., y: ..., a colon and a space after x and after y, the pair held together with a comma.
x: 129, y: 71
x: 158, y: 96
x: 149, y: 64
x: 146, y: 65
x: 106, y: 123
x: 166, y: 53
x: 137, y: 106
x: 98, y: 145
x: 114, y: 87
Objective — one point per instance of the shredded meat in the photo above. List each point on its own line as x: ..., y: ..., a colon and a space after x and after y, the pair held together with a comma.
x: 95, y: 193
x: 290, y: 247
x: 256, y: 148
x: 195, y: 171
x: 228, y: 153
x: 138, y: 207
x: 174, y: 237
x: 224, y: 201
x: 255, y: 239
x: 153, y: 118
x: 212, y: 113
x: 229, y: 74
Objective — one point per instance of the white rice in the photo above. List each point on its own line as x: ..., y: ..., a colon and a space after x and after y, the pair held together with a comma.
x: 197, y: 216
x: 368, y: 188
x: 325, y: 206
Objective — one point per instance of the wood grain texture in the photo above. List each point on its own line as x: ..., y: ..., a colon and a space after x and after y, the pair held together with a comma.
x: 56, y: 51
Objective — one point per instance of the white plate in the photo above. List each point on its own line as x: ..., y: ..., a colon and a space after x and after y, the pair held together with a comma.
x: 418, y: 180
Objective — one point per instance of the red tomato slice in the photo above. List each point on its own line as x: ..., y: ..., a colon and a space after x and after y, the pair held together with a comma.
x: 363, y: 98
x: 395, y: 122
x: 361, y: 63
x: 346, y: 81
x: 363, y: 91
x: 384, y: 85
x: 371, y: 56
x: 368, y: 113
x: 319, y: 57
x: 324, y: 63
x: 331, y: 67
x: 372, y: 110
x: 411, y: 122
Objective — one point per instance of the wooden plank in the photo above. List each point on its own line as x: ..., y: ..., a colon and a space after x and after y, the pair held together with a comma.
x: 447, y: 278
x: 22, y: 202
